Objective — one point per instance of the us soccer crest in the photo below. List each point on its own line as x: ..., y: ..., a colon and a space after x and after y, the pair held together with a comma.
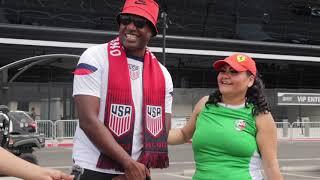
x: 134, y: 71
x: 240, y: 124
x: 154, y: 120
x: 120, y: 119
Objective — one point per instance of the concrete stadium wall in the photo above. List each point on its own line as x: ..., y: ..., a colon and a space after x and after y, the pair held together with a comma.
x: 186, y: 98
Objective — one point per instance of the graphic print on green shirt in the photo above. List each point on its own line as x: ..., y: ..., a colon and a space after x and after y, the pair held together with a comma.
x: 224, y: 144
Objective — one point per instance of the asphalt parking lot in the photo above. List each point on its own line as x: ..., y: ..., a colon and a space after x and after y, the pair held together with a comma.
x: 298, y: 161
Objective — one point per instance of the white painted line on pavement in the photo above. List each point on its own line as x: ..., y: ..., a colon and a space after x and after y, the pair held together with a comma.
x: 177, y: 163
x: 304, y: 159
x: 192, y: 162
x: 179, y: 176
x: 300, y: 168
x: 298, y: 175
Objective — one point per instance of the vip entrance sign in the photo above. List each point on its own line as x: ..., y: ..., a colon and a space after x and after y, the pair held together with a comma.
x: 312, y: 99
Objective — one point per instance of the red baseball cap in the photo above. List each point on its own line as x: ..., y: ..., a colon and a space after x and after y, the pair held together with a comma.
x: 239, y: 62
x: 148, y: 9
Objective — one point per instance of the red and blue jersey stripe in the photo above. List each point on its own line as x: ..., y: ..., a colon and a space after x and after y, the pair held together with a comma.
x: 84, y: 69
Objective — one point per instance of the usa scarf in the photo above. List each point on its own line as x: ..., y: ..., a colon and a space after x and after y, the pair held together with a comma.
x: 120, y: 110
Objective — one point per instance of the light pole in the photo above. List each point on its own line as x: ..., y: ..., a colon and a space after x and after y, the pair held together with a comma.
x: 165, y: 26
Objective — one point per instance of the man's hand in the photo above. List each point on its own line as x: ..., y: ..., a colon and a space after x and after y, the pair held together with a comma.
x: 120, y: 177
x: 136, y: 171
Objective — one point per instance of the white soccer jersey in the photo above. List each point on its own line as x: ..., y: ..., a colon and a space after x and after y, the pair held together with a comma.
x: 95, y: 83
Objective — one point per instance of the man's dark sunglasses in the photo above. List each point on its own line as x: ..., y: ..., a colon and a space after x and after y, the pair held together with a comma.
x: 126, y: 20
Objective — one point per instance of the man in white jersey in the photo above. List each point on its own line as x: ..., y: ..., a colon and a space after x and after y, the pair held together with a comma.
x: 123, y: 96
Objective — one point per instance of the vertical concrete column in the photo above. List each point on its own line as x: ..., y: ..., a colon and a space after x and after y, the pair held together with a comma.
x: 306, y: 122
x: 285, y: 128
x: 292, y: 114
x: 4, y: 86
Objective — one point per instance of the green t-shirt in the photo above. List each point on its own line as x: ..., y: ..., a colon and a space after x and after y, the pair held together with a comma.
x: 224, y: 144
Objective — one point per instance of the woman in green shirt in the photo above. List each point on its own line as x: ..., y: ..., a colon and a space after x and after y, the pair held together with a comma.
x: 232, y: 130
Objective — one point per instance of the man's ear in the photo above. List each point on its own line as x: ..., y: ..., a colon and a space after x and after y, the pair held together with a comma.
x: 149, y: 31
x: 149, y: 34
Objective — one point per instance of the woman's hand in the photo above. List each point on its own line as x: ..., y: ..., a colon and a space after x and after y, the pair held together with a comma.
x: 50, y: 174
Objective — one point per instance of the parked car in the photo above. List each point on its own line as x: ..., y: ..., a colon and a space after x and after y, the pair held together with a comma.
x: 22, y: 121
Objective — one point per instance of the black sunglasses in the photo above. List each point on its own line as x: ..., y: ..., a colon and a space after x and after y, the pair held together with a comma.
x: 126, y: 20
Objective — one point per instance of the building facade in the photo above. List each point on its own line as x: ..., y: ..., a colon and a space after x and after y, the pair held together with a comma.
x: 41, y: 40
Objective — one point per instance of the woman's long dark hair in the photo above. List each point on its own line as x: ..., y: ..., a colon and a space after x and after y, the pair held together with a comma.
x: 255, y: 95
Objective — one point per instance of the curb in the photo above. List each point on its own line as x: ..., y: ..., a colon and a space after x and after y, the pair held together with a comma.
x: 299, y: 140
x: 58, y: 143
x: 306, y: 139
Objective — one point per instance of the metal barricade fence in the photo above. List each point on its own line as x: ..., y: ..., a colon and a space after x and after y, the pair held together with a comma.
x: 65, y: 128
x: 305, y: 130
x: 283, y: 130
x: 178, y: 122
x: 47, y: 128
